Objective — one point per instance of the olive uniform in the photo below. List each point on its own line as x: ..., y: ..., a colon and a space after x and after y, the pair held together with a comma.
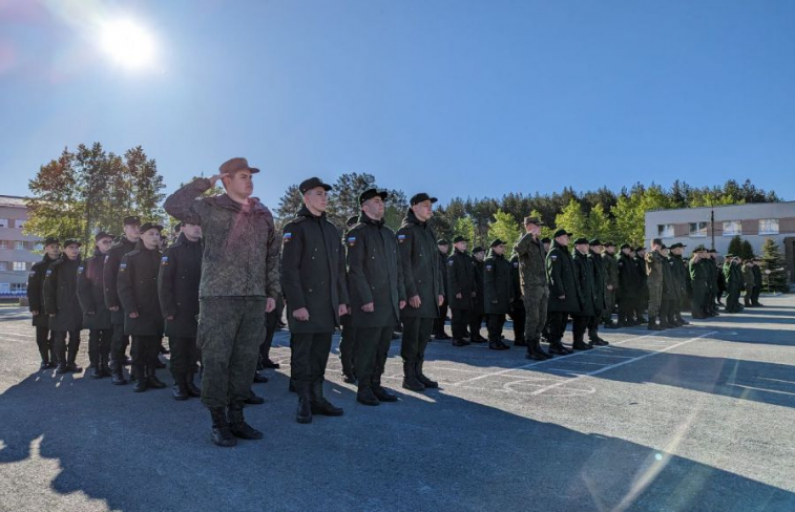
x: 535, y: 290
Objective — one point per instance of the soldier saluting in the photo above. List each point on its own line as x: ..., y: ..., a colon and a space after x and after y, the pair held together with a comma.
x: 533, y: 274
x: 52, y: 251
x: 377, y: 295
x: 239, y: 285
x: 313, y: 282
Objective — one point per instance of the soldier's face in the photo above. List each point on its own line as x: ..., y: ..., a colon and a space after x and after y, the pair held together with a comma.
x: 71, y: 251
x: 53, y: 250
x: 316, y: 199
x: 460, y: 246
x: 423, y: 211
x: 151, y: 238
x: 374, y: 208
x: 192, y: 231
x: 533, y: 229
x: 499, y: 249
x: 610, y: 250
x: 563, y: 240
x: 104, y: 244
x: 132, y: 232
x: 444, y: 248
x: 546, y: 247
x: 239, y: 184
x: 582, y: 248
x: 598, y: 249
x: 480, y: 255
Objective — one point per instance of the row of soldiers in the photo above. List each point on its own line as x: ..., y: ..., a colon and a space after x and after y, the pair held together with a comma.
x: 218, y: 291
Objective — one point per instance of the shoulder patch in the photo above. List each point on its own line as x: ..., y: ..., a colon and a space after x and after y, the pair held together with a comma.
x: 287, y: 236
x: 402, y: 238
x: 164, y: 261
x: 553, y: 257
x: 31, y: 274
x: 80, y: 269
x: 122, y: 267
x: 351, y: 241
x: 451, y: 262
x: 488, y: 268
x: 49, y: 272
x: 515, y: 264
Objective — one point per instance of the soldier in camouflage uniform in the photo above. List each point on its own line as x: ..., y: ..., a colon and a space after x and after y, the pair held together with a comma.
x: 52, y: 251
x: 610, y: 265
x: 533, y: 277
x: 239, y: 286
x: 654, y: 272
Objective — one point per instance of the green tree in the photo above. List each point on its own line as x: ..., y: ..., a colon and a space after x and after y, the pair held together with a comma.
x: 572, y: 219
x: 290, y: 203
x: 747, y: 251
x: 774, y: 267
x: 735, y: 245
x: 630, y: 220
x: 466, y: 228
x: 600, y: 225
x: 505, y: 228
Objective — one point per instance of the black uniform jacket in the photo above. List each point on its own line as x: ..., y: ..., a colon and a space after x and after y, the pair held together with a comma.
x: 91, y: 292
x: 60, y: 295
x: 178, y: 287
x: 420, y: 264
x: 137, y: 285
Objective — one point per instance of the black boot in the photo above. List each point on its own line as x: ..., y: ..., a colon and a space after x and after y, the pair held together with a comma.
x: 558, y: 348
x: 381, y: 393
x: 95, y: 373
x: 260, y: 378
x: 653, y: 326
x: 320, y: 405
x: 580, y: 345
x: 180, y: 388
x: 238, y: 425
x: 117, y: 375
x: 151, y: 379
x: 140, y: 378
x: 193, y: 389
x: 304, y: 412
x: 410, y: 381
x: 535, y: 352
x: 681, y: 320
x: 253, y: 399
x: 428, y: 383
x: 365, y: 396
x: 222, y: 435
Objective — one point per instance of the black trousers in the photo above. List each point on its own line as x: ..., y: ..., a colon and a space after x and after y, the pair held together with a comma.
x: 309, y: 356
x: 99, y: 341
x: 459, y: 323
x: 144, y: 352
x: 348, y: 345
x: 66, y: 354
x: 416, y: 334
x: 518, y: 317
x: 495, y: 323
x: 593, y: 325
x: 185, y: 355
x: 438, y: 324
x: 271, y: 322
x: 118, y: 344
x: 372, y: 349
x: 44, y: 342
x: 579, y: 325
x: 475, y: 323
x: 556, y: 320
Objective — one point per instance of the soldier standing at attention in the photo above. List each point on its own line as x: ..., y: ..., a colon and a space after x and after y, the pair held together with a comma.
x: 681, y: 277
x: 654, y: 272
x: 700, y: 277
x: 461, y: 289
x: 748, y: 282
x: 517, y: 313
x: 498, y: 289
x: 96, y: 316
x: 119, y: 341
x: 63, y: 308
x: 422, y: 279
x: 377, y: 295
x: 628, y: 287
x: 137, y: 288
x: 757, y: 283
x: 178, y: 292
x: 642, y: 304
x: 546, y: 242
x: 52, y: 251
x: 669, y: 291
x: 563, y: 292
x: 610, y: 265
x: 531, y: 255
x: 734, y: 283
x: 348, y: 338
x: 239, y: 285
x: 586, y: 291
x: 478, y: 306
x: 716, y: 288
x: 438, y: 325
x: 600, y: 288
x: 314, y: 285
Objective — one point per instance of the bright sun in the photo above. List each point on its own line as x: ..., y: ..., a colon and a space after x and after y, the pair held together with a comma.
x: 128, y: 43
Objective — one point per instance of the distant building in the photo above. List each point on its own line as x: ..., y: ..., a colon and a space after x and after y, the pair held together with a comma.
x: 16, y: 249
x: 753, y: 222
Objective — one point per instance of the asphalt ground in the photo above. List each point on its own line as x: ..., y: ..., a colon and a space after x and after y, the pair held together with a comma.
x: 693, y: 419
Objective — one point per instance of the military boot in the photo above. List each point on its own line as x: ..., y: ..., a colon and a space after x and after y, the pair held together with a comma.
x: 95, y: 373
x: 581, y: 345
x: 222, y: 435
x: 151, y: 379
x: 238, y: 425
x: 410, y: 381
x: 681, y: 320
x: 180, y: 388
x: 71, y: 364
x: 193, y: 389
x: 365, y: 395
x: 117, y: 375
x: 428, y: 383
x: 138, y: 372
x: 382, y: 393
x: 319, y: 403
x: 557, y: 348
x: 304, y: 412
x: 653, y: 325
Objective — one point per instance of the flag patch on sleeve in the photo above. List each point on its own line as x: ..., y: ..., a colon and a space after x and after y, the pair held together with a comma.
x: 351, y: 241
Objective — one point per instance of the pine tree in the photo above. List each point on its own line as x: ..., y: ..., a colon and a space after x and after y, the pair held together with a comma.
x: 747, y: 251
x: 466, y: 228
x: 774, y: 267
x: 735, y: 245
x: 505, y: 228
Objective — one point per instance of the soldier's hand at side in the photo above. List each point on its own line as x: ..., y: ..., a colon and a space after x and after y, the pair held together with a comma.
x: 402, y: 304
x: 170, y: 317
x: 415, y: 301
x: 458, y: 296
x: 134, y: 314
x: 270, y: 305
x: 343, y: 310
x: 610, y: 287
x: 562, y: 297
x: 34, y: 313
x: 441, y: 300
x: 90, y: 313
x: 301, y: 314
x: 368, y: 308
x: 114, y: 308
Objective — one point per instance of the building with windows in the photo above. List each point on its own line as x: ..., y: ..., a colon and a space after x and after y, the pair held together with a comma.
x: 16, y: 249
x: 714, y: 227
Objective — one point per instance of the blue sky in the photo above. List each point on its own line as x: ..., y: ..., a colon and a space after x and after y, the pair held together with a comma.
x: 457, y: 98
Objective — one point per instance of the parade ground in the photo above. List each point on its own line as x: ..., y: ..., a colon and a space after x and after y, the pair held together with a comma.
x: 700, y: 418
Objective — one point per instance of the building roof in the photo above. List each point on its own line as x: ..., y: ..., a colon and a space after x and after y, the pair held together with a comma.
x: 718, y: 206
x: 12, y: 201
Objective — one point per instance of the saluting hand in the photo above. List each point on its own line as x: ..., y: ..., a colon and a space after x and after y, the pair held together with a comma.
x: 301, y: 314
x: 214, y: 179
x: 415, y: 301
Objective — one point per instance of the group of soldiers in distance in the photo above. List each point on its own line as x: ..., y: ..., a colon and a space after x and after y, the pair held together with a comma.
x: 220, y: 290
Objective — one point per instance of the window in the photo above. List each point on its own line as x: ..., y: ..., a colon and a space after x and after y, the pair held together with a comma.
x: 768, y: 226
x: 19, y: 223
x: 698, y: 229
x: 20, y: 245
x: 665, y: 230
x: 732, y: 228
x: 5, y: 244
x: 3, y: 265
x: 20, y: 266
x: 3, y: 223
x: 19, y: 287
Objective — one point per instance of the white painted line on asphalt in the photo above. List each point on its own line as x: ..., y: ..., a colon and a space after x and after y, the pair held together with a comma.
x: 556, y: 358
x: 622, y: 363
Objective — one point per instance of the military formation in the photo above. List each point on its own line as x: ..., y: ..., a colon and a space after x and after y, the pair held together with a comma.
x: 219, y: 290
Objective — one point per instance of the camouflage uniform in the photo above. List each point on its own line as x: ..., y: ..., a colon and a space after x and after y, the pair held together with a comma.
x: 240, y: 270
x: 533, y: 279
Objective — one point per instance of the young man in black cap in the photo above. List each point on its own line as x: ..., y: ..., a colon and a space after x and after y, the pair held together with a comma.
x: 239, y: 286
x: 628, y: 287
x: 52, y: 251
x: 681, y: 278
x: 443, y: 247
x: 564, y: 296
x: 424, y: 291
x: 586, y: 290
x: 478, y: 306
x: 110, y: 272
x: 178, y: 293
x: 461, y: 288
x: 531, y: 256
x: 610, y: 265
x: 498, y: 289
x: 63, y: 308
x: 377, y: 294
x: 599, y: 289
x: 700, y: 277
x: 316, y: 294
x: 347, y: 346
x: 137, y: 288
x: 96, y: 316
